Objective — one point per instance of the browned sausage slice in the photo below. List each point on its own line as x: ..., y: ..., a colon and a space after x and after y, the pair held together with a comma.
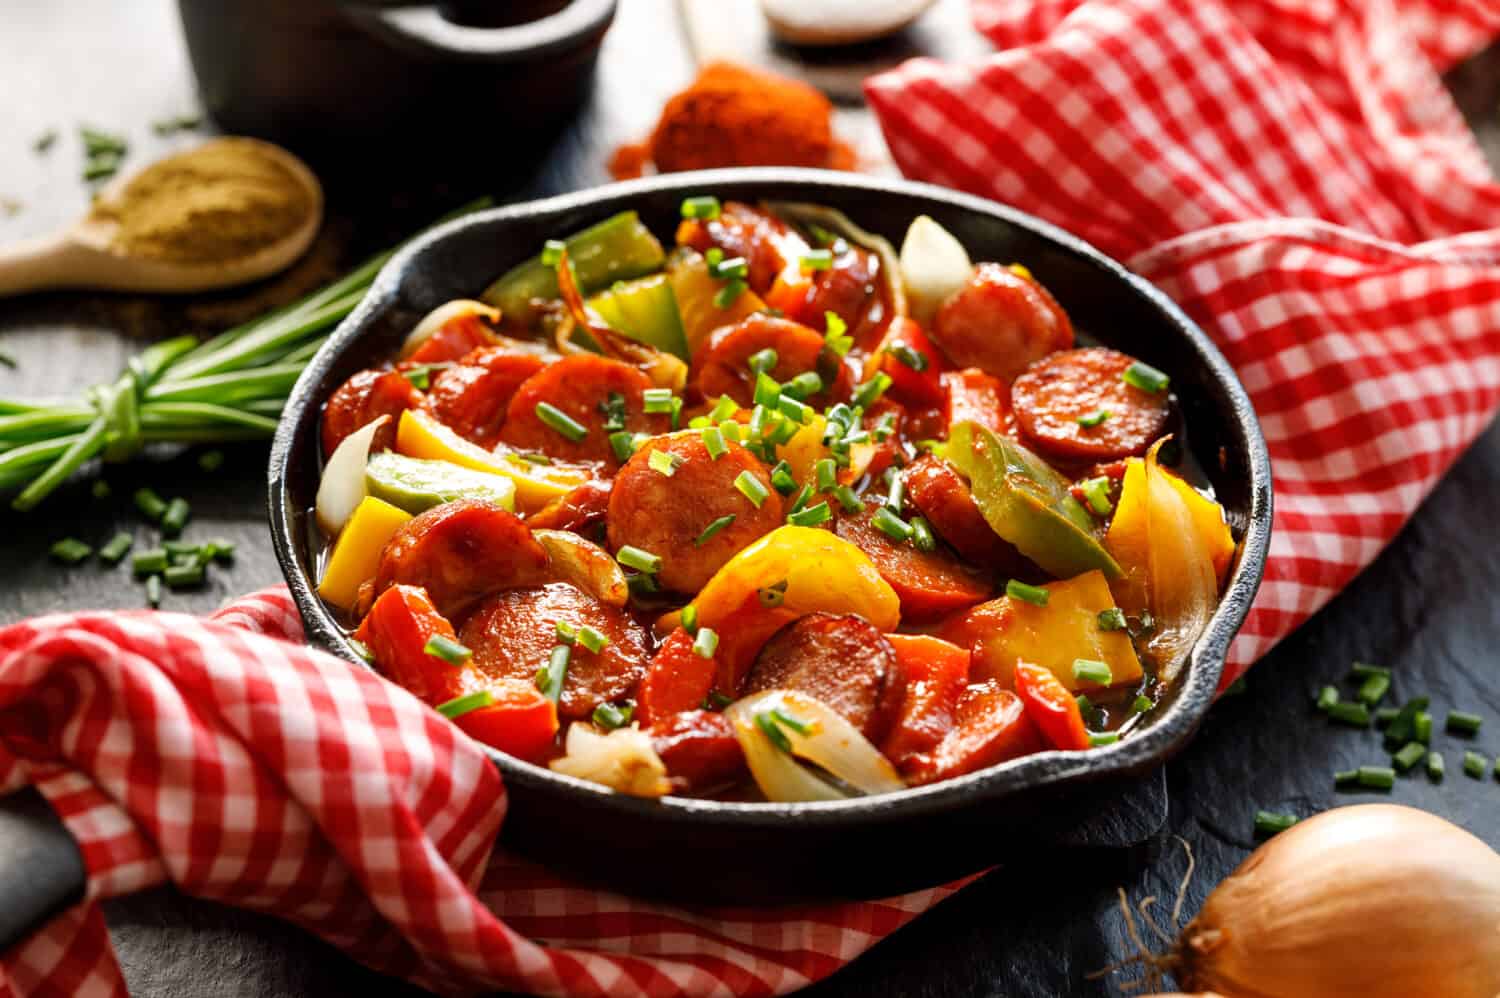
x: 471, y: 397
x: 513, y: 633
x: 928, y: 583
x: 844, y: 661
x: 699, y: 749
x: 722, y: 364
x: 1057, y: 391
x: 1000, y: 322
x: 943, y: 497
x: 580, y: 386
x: 366, y: 396
x: 666, y: 515
x: 461, y: 552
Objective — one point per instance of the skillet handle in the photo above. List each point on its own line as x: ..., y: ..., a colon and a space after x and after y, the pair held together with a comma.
x: 41, y: 869
x: 421, y: 28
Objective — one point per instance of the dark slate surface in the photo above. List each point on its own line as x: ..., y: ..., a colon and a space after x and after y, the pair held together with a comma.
x: 1427, y: 607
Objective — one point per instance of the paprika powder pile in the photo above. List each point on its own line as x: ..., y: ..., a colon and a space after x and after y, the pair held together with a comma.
x: 734, y: 116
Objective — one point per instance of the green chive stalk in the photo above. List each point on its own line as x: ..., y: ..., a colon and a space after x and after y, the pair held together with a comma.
x: 229, y: 387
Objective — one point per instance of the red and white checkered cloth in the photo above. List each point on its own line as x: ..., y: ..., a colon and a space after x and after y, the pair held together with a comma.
x: 1291, y: 172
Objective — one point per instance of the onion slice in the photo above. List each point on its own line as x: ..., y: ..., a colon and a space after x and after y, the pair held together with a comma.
x: 623, y: 760
x: 458, y: 309
x: 342, y: 486
x: 585, y: 565
x: 934, y: 264
x: 828, y: 741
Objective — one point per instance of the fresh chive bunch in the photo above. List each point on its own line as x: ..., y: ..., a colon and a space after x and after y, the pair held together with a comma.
x: 179, y: 391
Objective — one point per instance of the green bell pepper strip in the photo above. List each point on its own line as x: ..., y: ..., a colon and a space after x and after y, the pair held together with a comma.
x: 644, y: 310
x: 616, y: 249
x: 1028, y: 503
x: 418, y: 484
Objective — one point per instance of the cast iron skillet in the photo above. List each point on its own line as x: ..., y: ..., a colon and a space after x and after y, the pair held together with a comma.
x: 872, y: 847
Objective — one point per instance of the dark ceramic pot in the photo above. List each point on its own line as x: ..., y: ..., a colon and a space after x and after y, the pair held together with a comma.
x: 719, y: 851
x: 322, y: 75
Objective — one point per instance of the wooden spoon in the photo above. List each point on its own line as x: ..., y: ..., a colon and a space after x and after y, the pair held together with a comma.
x: 84, y: 255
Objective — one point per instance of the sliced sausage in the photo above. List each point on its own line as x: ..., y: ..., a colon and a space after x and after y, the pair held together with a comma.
x: 971, y: 396
x: 364, y: 397
x: 767, y: 244
x: 472, y: 397
x: 461, y: 552
x: 990, y: 727
x: 842, y: 660
x: 576, y: 510
x: 677, y: 679
x: 699, y: 750
x: 667, y: 515
x: 463, y: 333
x: 928, y: 583
x: 1000, y: 322
x: 722, y: 364
x: 943, y: 497
x: 512, y: 635
x: 581, y: 386
x: 1057, y: 391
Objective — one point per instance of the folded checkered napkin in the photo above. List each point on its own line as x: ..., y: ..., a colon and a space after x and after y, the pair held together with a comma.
x: 1292, y: 173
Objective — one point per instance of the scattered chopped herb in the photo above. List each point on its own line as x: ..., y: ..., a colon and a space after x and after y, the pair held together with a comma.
x: 803, y: 386
x: 550, y: 677
x: 1145, y: 377
x: 149, y: 562
x: 705, y: 208
x: 440, y: 646
x: 100, y: 489
x: 151, y: 505
x: 623, y: 444
x: 690, y: 618
x: 1113, y: 619
x: 1409, y: 755
x: 1374, y: 689
x: 921, y: 534
x: 1268, y: 824
x: 909, y: 356
x: 1422, y: 728
x: 636, y: 558
x: 657, y: 400
x: 835, y: 338
x: 772, y: 595
x: 183, y: 576
x: 866, y: 394
x: 751, y: 488
x: 592, y: 639
x: 664, y: 462
x: 812, y: 516
x: 818, y: 259
x: 609, y: 717
x: 116, y: 548
x: 1355, y: 714
x: 1099, y: 738
x: 1462, y: 722
x: 763, y: 361
x: 175, y: 518
x: 891, y: 525
x: 729, y: 293
x: 706, y: 643
x: 559, y: 421
x: 1093, y: 419
x: 1377, y: 777
x: 1475, y: 764
x: 1096, y: 492
x: 613, y: 410
x: 847, y: 499
x: 1435, y: 767
x: 1362, y: 671
x: 211, y: 460
x: 799, y: 501
x: 1087, y: 670
x: 735, y: 268
x: 1142, y: 704
x: 70, y: 550
x: 1036, y: 595
x: 1327, y: 697
x: 153, y: 591
x: 469, y: 702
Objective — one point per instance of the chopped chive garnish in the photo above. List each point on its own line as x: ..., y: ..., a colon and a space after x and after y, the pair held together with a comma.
x: 100, y: 489
x: 796, y: 411
x: 847, y: 499
x: 657, y: 400
x: 908, y: 356
x: 921, y: 534
x: 733, y: 268
x: 153, y: 591
x: 151, y: 505
x: 781, y: 478
x: 1374, y: 689
x: 772, y: 595
x: 825, y: 473
x: 185, y: 575
x: 886, y: 426
x: 713, y: 256
x: 1377, y: 777
x: 1362, y: 671
x: 835, y: 340
x: 803, y: 386
x: 1327, y: 697
x: 1145, y: 377
x: 116, y: 548
x: 613, y: 409
x: 1422, y: 728
x: 1086, y: 708
x: 642, y: 561
x: 1383, y: 716
x: 642, y: 583
x: 768, y: 726
x: 762, y: 361
x: 1098, y: 738
x: 1096, y: 492
x: 767, y: 390
x: 706, y: 643
x: 1410, y: 754
x: 469, y: 702
x: 70, y: 550
x: 791, y: 721
x: 818, y: 259
x: 1475, y: 764
x: 609, y: 717
x: 1112, y: 619
x: 420, y: 377
x: 751, y: 488
x: 550, y: 677
x: 566, y: 632
x: 1035, y: 595
x: 1461, y: 722
x: 713, y: 442
x: 1346, y: 778
x: 624, y: 443
x: 1436, y: 768
x: 729, y: 293
x: 812, y: 516
x: 664, y: 462
x: 149, y: 562
x: 800, y: 500
x: 443, y: 647
x: 1404, y: 726
x: 211, y: 460
x: 175, y: 517
x: 895, y: 497
x: 690, y: 618
x: 723, y: 409
x: 552, y: 252
x: 561, y: 422
x: 1268, y: 824
x: 866, y: 394
x: 704, y: 208
x: 362, y: 650
x: 532, y: 457
x: 891, y: 525
x: 592, y: 639
x: 1087, y: 670
x: 1356, y: 714
x: 1093, y: 419
x: 1142, y: 704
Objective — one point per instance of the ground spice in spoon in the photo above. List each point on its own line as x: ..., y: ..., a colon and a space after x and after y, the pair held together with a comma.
x: 733, y: 116
x: 221, y: 201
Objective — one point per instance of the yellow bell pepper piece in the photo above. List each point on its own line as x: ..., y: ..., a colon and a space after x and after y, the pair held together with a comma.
x: 1126, y: 540
x: 1053, y: 636
x: 419, y: 435
x: 806, y: 449
x: 356, y: 554
x: 695, y: 291
x: 821, y: 570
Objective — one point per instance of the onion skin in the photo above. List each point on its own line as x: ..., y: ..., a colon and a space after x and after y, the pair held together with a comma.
x: 1371, y: 901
